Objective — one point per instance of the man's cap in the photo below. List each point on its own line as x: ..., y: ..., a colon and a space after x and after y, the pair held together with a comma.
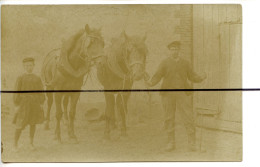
x: 28, y: 59
x: 174, y: 44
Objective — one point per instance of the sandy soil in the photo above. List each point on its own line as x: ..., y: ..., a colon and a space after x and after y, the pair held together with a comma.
x: 145, y: 142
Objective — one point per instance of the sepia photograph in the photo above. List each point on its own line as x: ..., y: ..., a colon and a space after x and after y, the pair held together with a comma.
x: 121, y: 83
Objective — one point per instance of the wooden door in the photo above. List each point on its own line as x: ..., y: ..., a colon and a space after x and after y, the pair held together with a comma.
x: 231, y: 71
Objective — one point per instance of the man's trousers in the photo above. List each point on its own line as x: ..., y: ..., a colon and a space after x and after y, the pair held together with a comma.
x: 173, y: 101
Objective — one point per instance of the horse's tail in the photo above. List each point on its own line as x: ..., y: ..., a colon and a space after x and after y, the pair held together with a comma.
x: 49, y: 66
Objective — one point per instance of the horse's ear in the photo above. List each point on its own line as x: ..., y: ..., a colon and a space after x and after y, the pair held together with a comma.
x: 123, y: 35
x: 87, y: 29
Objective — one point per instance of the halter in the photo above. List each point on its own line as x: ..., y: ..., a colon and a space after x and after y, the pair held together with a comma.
x: 133, y: 63
x: 136, y: 62
x: 87, y: 39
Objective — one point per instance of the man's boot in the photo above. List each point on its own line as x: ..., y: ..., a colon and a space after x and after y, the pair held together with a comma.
x: 171, y: 142
x: 192, y: 142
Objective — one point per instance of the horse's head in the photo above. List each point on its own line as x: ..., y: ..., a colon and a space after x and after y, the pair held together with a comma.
x: 85, y: 46
x: 94, y: 45
x: 135, y: 52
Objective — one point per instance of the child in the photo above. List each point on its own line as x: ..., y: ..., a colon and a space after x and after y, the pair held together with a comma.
x: 29, y: 105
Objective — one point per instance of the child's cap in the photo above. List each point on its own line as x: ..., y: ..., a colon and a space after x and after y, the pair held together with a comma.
x: 28, y: 59
x: 174, y: 44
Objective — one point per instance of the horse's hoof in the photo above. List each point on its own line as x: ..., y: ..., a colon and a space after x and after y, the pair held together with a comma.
x: 123, y: 133
x: 65, y: 122
x: 123, y: 138
x: 57, y: 138
x: 74, y: 140
x: 72, y: 135
x: 46, y: 126
x: 58, y: 141
x: 113, y: 126
x: 106, y: 137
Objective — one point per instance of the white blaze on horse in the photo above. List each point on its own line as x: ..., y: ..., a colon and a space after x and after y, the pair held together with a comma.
x: 64, y: 69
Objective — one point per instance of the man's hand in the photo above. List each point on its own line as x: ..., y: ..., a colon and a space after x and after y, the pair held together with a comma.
x: 204, y: 75
x: 146, y: 76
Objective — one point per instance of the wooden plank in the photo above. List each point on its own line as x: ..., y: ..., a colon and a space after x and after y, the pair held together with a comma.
x: 235, y: 55
x: 213, y: 62
x: 217, y: 124
x: 185, y: 7
x: 207, y: 43
x: 207, y: 96
x: 232, y: 107
x: 222, y: 14
x: 197, y: 43
x: 232, y: 15
x: 206, y: 100
x: 239, y: 13
x: 222, y: 18
x: 224, y: 55
x: 235, y: 47
x: 215, y: 48
x: 224, y: 70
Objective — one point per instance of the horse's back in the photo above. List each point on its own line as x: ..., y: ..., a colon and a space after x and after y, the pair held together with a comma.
x: 50, y: 66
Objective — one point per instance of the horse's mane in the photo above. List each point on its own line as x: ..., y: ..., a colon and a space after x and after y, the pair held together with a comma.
x: 118, y: 45
x: 72, y: 41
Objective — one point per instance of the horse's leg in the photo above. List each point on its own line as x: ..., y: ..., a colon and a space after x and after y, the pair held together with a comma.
x: 109, y: 114
x: 65, y: 108
x: 126, y: 97
x: 72, y: 112
x: 49, y: 105
x: 58, y: 98
x: 120, y: 103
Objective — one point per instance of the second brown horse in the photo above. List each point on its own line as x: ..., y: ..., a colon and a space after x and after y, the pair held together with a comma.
x: 64, y: 69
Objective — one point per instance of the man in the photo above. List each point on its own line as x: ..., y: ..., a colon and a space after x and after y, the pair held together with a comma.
x: 29, y: 104
x: 175, y: 73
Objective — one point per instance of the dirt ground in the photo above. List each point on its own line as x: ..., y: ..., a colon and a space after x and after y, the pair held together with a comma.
x: 145, y: 141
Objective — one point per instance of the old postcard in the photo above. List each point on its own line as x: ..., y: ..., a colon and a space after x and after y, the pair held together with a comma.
x: 116, y: 83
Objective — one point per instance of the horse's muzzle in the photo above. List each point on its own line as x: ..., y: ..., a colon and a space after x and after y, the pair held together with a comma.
x: 137, y: 72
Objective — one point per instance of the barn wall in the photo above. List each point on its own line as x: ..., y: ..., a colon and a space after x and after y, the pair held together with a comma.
x: 217, y: 51
x: 185, y: 30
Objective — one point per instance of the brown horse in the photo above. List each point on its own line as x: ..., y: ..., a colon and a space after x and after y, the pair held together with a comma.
x: 64, y: 69
x: 124, y: 62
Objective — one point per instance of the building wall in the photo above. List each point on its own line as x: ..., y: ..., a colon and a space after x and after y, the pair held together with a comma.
x: 217, y: 40
x: 185, y: 30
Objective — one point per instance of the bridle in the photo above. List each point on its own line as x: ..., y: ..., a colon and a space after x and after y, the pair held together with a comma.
x: 87, y: 38
x: 132, y: 63
x: 136, y: 62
